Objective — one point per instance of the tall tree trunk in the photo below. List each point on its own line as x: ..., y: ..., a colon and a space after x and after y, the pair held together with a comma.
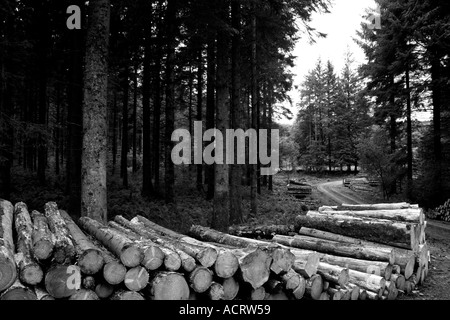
x: 200, y: 112
x: 270, y: 139
x: 43, y: 45
x: 169, y: 176
x: 253, y: 168
x: 210, y: 107
x: 236, y: 216
x: 5, y: 131
x: 114, y: 138
x: 221, y: 212
x: 74, y: 117
x: 58, y: 130
x: 94, y: 153
x: 437, y: 101
x: 409, y: 130
x: 135, y: 97
x: 147, y: 186
x: 124, y: 153
x: 190, y: 116
x: 157, y: 102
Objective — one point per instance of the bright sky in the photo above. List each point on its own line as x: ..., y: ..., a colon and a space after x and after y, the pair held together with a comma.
x: 340, y: 25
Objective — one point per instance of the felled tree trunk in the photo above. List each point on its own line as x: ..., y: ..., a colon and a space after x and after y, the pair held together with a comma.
x: 90, y: 259
x: 401, y: 215
x: 168, y: 286
x: 63, y: 281
x: 136, y: 278
x: 30, y: 272
x: 64, y: 250
x: 8, y: 271
x: 42, y: 237
x: 200, y: 279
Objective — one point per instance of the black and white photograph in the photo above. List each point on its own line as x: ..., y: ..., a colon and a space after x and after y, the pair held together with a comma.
x: 225, y: 155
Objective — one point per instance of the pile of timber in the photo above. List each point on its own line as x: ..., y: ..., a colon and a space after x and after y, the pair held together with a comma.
x: 441, y: 213
x: 382, y: 245
x: 298, y: 189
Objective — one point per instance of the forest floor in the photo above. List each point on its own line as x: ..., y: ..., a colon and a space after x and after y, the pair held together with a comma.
x: 276, y: 207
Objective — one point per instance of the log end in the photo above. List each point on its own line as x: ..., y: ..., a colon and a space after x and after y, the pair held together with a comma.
x: 169, y: 286
x: 200, y: 279
x: 136, y: 279
x: 19, y: 294
x: 8, y: 273
x: 153, y: 258
x: 84, y: 294
x: 207, y: 257
x: 131, y: 256
x: 43, y: 249
x: 91, y: 262
x: 226, y: 264
x: 31, y: 274
x: 114, y: 272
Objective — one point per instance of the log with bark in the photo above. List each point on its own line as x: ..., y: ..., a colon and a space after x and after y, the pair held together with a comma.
x: 291, y: 280
x: 42, y: 238
x: 282, y: 258
x: 379, y: 206
x: 263, y: 232
x: 153, y: 255
x: 18, y: 291
x: 355, y: 291
x: 401, y: 215
x: 42, y: 294
x: 337, y: 248
x: 206, y: 256
x: 306, y: 265
x: 90, y: 259
x: 314, y: 287
x: 334, y: 274
x: 367, y: 281
x: 168, y: 286
x: 64, y: 249
x: 30, y: 272
x: 63, y: 281
x: 8, y: 270
x: 396, y: 234
x: 128, y: 252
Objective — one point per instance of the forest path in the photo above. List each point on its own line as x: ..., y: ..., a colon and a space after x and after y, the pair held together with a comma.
x: 338, y: 194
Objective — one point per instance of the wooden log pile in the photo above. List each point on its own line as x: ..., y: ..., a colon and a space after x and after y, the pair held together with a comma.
x: 47, y: 256
x: 383, y: 246
x: 441, y: 212
x: 298, y: 189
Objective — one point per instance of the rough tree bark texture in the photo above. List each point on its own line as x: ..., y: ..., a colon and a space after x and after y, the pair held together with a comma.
x: 95, y: 130
x: 8, y: 272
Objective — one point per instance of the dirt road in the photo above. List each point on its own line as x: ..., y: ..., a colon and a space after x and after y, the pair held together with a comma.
x: 336, y: 194
x: 437, y: 285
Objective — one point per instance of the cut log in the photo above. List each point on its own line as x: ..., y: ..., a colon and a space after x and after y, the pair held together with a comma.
x: 299, y: 292
x: 392, y: 233
x: 84, y: 294
x: 307, y: 265
x: 406, y: 260
x: 42, y: 294
x: 337, y: 248
x: 206, y: 256
x: 64, y: 250
x: 383, y: 269
x: 335, y: 294
x: 367, y: 281
x: 216, y: 292
x: 254, y: 266
x: 18, y: 291
x: 362, y: 294
x: 372, y: 295
x: 168, y: 286
x: 200, y: 279
x: 226, y: 264
x: 130, y: 254
x: 172, y: 260
x: 136, y: 279
x: 263, y: 232
x: 314, y: 287
x: 8, y: 270
x: 282, y: 259
x: 379, y: 206
x: 401, y: 215
x: 113, y: 271
x: 153, y: 255
x: 291, y: 280
x: 30, y: 272
x: 127, y: 295
x: 90, y: 259
x: 88, y: 282
x: 334, y: 274
x: 63, y: 281
x: 104, y: 290
x: 354, y: 290
x: 42, y: 238
x: 230, y: 288
x: 399, y: 281
x: 258, y: 294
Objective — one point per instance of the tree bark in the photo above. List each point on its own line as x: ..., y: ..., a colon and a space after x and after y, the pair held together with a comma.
x: 8, y: 272
x: 42, y: 237
x: 30, y: 272
x: 95, y: 120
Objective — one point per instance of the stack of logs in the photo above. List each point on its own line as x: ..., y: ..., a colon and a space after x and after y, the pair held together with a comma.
x: 441, y: 212
x: 298, y: 189
x: 49, y: 256
x: 384, y: 242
